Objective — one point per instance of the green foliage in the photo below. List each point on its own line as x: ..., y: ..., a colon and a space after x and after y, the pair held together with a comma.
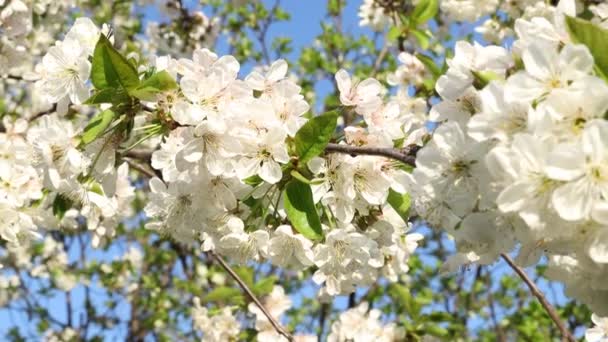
x: 595, y: 38
x: 401, y: 203
x: 425, y: 10
x: 423, y: 38
x: 264, y: 286
x: 430, y: 64
x: 393, y: 33
x: 113, y: 75
x: 97, y: 125
x: 110, y: 69
x: 295, y: 174
x: 314, y: 135
x: 108, y: 95
x: 301, y: 210
x: 482, y: 78
x: 404, y: 297
x: 117, y: 82
x: 246, y: 274
x: 150, y: 87
x: 61, y: 204
x: 225, y: 294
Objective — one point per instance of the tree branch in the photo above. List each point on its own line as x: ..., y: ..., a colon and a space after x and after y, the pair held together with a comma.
x: 144, y: 169
x: 13, y: 77
x: 324, y: 311
x: 276, y: 325
x: 541, y: 298
x: 500, y: 334
x: 380, y: 58
x: 406, y: 156
x: 264, y: 30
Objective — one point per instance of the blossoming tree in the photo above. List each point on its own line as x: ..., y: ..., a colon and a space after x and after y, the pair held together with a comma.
x: 154, y: 188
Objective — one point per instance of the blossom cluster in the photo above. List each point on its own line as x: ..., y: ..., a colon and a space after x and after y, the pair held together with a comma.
x: 224, y: 325
x: 232, y: 140
x: 361, y: 324
x: 48, y: 179
x: 222, y: 161
x: 520, y: 156
x: 358, y: 324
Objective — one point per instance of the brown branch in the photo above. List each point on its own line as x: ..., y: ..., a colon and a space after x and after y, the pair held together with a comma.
x: 406, y: 156
x: 145, y: 170
x: 264, y: 31
x: 13, y: 77
x: 324, y: 311
x: 352, y: 300
x: 541, y: 298
x: 141, y: 155
x: 277, y: 326
x: 43, y: 113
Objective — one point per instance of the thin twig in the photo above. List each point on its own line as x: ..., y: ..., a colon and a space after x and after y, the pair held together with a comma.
x: 324, y: 311
x: 139, y: 154
x: 500, y: 334
x: 352, y: 300
x: 380, y: 58
x: 13, y: 77
x: 141, y: 168
x: 43, y: 113
x: 393, y: 153
x: 264, y: 31
x: 541, y: 298
x: 277, y: 326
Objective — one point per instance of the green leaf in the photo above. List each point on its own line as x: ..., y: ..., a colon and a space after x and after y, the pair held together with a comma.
x: 403, y: 295
x: 435, y: 330
x: 311, y: 139
x: 425, y: 10
x: 61, y: 204
x: 595, y: 38
x: 97, y: 125
x: 401, y: 203
x: 254, y: 180
x: 248, y: 335
x: 430, y: 64
x: 225, y: 294
x: 483, y: 78
x: 245, y: 273
x: 295, y: 174
x: 264, y: 286
x: 301, y: 210
x: 110, y: 69
x: 108, y: 95
x: 98, y: 75
x: 422, y: 37
x: 393, y: 33
x: 333, y: 7
x: 157, y: 83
